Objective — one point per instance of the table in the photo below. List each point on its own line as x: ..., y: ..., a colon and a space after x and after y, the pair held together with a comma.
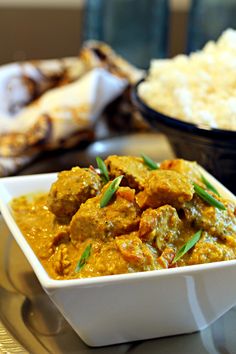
x: 30, y: 323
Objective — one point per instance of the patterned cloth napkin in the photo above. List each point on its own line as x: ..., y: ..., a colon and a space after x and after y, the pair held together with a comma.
x: 50, y: 104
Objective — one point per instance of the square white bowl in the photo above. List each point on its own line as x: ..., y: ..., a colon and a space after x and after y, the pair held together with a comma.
x: 127, y: 307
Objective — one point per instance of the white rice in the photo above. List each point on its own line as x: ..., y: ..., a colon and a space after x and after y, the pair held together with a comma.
x: 199, y: 88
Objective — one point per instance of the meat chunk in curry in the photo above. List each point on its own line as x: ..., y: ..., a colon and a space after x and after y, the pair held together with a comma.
x: 86, y: 227
x: 119, y: 217
x: 135, y: 252
x: 165, y: 187
x: 204, y: 216
x: 71, y: 189
x: 209, y: 249
x: 133, y: 169
x: 162, y: 226
x: 188, y: 168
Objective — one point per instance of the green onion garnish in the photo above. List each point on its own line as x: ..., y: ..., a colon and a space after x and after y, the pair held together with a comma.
x: 149, y: 162
x: 209, y: 185
x: 103, y: 169
x: 187, y: 246
x: 208, y: 198
x: 83, y: 258
x: 110, y: 191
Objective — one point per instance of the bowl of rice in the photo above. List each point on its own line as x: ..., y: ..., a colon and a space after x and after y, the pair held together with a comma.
x: 192, y: 99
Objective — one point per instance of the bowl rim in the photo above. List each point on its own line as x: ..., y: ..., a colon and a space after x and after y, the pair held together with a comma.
x: 199, y: 129
x: 50, y: 284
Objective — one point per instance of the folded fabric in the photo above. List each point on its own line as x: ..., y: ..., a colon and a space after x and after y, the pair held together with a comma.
x: 55, y: 103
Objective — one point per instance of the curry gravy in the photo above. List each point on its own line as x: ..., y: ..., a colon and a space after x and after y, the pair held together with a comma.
x: 141, y: 228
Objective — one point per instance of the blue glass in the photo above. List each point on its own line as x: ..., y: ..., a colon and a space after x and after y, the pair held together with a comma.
x: 208, y: 19
x: 136, y: 29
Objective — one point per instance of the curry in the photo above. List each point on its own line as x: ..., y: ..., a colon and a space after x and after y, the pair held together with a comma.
x: 128, y: 216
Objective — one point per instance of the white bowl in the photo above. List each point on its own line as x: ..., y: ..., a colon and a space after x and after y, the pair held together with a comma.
x: 127, y: 307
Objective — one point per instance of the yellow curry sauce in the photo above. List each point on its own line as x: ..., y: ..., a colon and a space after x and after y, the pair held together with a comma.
x: 149, y: 218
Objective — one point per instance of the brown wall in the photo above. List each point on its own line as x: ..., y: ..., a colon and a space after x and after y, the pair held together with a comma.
x: 44, y: 32
x: 32, y: 33
x: 178, y: 32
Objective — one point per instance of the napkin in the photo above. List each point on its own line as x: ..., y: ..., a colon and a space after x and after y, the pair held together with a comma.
x: 52, y: 104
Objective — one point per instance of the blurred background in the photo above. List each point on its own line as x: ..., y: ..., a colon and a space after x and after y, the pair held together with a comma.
x: 137, y: 29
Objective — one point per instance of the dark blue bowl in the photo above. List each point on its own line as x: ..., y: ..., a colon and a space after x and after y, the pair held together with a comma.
x: 214, y: 149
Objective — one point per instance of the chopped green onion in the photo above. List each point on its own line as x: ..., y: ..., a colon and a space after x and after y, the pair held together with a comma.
x: 208, y: 198
x: 209, y: 185
x: 110, y: 191
x: 83, y: 258
x: 149, y: 162
x: 187, y: 246
x: 102, y: 167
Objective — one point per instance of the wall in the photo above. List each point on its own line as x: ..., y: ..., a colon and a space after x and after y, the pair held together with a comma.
x: 39, y: 29
x: 32, y: 29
